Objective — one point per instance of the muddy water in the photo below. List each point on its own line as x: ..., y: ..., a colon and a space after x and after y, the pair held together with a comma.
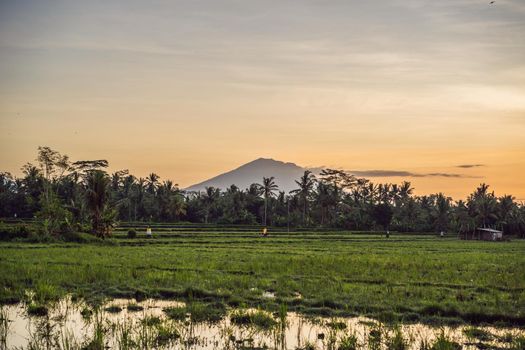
x: 67, y: 327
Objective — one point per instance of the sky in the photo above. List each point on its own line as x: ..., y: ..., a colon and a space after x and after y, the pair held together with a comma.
x: 428, y: 91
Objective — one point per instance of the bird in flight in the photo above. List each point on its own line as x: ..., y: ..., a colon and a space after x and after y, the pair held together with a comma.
x: 492, y: 2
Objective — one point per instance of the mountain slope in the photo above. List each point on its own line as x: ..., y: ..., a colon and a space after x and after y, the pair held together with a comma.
x: 253, y: 172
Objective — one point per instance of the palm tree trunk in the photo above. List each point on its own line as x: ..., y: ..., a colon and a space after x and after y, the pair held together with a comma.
x: 304, y: 212
x: 265, y: 208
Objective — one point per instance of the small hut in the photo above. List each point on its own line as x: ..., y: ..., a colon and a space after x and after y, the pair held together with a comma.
x: 483, y: 234
x: 488, y: 234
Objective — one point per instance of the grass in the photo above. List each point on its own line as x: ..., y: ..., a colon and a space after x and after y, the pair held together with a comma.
x: 258, y: 319
x: 348, y: 342
x: 114, y: 309
x: 406, y: 278
x: 134, y: 307
x: 4, y: 328
x: 197, y: 312
x: 37, y: 310
x: 444, y: 343
x: 478, y: 334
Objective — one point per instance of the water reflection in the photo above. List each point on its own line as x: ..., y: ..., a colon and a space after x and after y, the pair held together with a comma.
x: 161, y: 324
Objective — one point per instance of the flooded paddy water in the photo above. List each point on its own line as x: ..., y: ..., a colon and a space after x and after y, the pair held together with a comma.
x: 161, y: 324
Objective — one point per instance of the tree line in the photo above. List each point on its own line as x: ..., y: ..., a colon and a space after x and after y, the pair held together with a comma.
x: 82, y: 196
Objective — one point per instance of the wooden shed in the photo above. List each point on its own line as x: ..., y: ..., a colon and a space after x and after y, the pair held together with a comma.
x: 488, y: 234
x: 483, y: 234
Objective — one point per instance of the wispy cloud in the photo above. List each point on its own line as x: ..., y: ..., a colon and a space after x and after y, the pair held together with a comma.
x: 381, y: 173
x: 443, y: 175
x: 403, y: 173
x: 467, y: 166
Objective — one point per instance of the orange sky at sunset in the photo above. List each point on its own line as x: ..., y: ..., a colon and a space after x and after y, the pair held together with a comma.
x: 190, y: 89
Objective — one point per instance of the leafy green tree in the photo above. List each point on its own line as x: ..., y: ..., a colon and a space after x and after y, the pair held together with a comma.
x: 67, y: 195
x: 56, y: 219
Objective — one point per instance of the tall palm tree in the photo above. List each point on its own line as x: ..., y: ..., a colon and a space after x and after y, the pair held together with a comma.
x: 153, y: 182
x: 326, y: 197
x: 462, y: 220
x: 384, y: 192
x: 306, y: 184
x: 405, y: 190
x: 442, y: 212
x: 96, y: 197
x: 138, y: 193
x: 394, y: 194
x: 127, y: 193
x: 211, y: 195
x: 483, y: 205
x: 268, y: 188
x: 506, y: 206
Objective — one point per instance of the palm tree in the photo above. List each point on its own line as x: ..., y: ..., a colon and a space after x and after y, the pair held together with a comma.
x: 96, y: 197
x: 306, y: 184
x: 483, y: 205
x: 463, y: 221
x: 210, y: 197
x: 139, y: 190
x: 384, y: 192
x: 405, y: 190
x: 506, y: 206
x: 394, y: 194
x: 153, y: 181
x: 268, y: 187
x: 326, y: 197
x: 442, y: 212
x: 127, y: 187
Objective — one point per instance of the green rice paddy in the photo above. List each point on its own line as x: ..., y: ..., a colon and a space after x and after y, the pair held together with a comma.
x: 404, y: 278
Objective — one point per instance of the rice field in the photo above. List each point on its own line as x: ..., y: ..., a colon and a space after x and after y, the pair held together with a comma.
x: 408, y: 278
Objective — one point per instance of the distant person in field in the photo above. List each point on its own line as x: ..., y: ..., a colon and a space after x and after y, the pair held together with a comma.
x: 148, y: 232
x: 265, y: 232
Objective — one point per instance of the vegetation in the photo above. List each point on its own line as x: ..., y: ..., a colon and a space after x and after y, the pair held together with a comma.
x: 258, y: 319
x: 81, y: 196
x: 408, y: 278
x: 198, y: 312
x: 248, y: 329
x: 323, y: 256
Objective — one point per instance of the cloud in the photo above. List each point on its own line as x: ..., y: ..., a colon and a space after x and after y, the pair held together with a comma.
x: 467, y: 166
x: 444, y: 175
x: 380, y: 173
x: 403, y: 173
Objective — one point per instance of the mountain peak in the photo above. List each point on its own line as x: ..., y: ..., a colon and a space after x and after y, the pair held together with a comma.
x: 285, y: 174
x: 270, y: 162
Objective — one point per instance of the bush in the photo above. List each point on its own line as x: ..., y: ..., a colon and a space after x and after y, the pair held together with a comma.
x: 132, y: 234
x: 78, y: 237
x: 10, y: 232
